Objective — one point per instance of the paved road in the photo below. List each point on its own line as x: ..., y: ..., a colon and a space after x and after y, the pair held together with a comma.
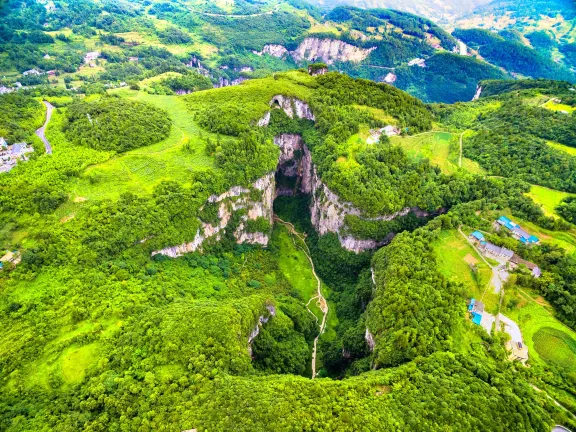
x: 41, y: 133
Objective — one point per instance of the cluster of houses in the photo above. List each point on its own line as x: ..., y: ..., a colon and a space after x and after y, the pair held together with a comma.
x: 375, y: 134
x: 11, y: 154
x: 516, y: 231
x: 518, y: 351
x: 502, y: 254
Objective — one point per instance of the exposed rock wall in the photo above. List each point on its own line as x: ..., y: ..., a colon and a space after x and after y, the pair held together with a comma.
x: 329, y: 51
x: 313, y: 49
x: 291, y: 106
x: 234, y: 199
x: 261, y: 321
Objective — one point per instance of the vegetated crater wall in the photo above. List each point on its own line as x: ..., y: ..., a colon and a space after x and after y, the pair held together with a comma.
x: 295, y: 174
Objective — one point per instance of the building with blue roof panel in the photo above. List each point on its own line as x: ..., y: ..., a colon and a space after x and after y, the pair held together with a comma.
x: 477, y: 235
x: 476, y: 318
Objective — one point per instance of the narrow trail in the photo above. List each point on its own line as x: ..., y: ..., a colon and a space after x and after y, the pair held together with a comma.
x: 41, y: 132
x: 320, y: 300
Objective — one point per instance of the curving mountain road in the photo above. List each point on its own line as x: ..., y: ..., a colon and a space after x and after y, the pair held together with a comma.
x: 41, y: 133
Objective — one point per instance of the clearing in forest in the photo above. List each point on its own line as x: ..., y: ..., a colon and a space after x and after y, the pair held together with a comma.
x: 547, y: 198
x: 455, y: 259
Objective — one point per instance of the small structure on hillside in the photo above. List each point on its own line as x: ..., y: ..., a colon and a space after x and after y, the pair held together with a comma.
x: 375, y: 134
x: 518, y: 351
x: 516, y: 231
x: 420, y: 62
x: 11, y: 154
x: 32, y: 72
x: 91, y: 56
x: 10, y: 258
x: 477, y: 237
x: 476, y: 310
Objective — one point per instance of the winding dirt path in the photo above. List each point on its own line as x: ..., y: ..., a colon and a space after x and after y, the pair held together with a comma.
x: 320, y: 299
x: 41, y: 132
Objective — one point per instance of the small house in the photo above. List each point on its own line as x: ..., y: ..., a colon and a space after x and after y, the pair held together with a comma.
x: 390, y: 130
x: 3, y: 144
x: 420, y: 62
x: 476, y: 309
x: 517, y: 231
x: 32, y: 72
x: 477, y: 236
x: 518, y: 351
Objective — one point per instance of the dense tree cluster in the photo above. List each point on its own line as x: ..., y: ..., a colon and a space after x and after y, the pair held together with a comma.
x: 21, y: 116
x: 116, y: 124
x: 513, y: 56
x: 415, y: 309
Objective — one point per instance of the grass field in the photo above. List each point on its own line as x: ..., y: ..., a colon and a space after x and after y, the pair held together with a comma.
x: 547, y: 198
x: 295, y: 266
x: 564, y: 148
x: 556, y: 347
x: 551, y: 105
x: 455, y: 259
x: 142, y: 169
x: 441, y: 148
x: 548, y: 340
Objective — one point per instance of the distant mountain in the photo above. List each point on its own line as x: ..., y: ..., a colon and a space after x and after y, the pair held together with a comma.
x: 439, y: 10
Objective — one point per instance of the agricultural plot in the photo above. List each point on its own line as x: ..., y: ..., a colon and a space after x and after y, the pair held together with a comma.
x: 548, y: 340
x: 142, y: 169
x: 441, y: 148
x: 459, y: 262
x: 564, y: 148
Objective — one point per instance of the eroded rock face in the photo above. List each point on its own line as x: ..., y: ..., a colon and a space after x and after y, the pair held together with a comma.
x: 293, y: 107
x: 329, y: 51
x: 370, y: 339
x: 313, y: 49
x: 234, y: 199
x: 263, y: 319
x: 274, y: 50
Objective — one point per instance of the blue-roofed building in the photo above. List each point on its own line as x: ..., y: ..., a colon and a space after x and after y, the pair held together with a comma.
x: 477, y: 236
x: 471, y: 304
x: 517, y: 231
x: 476, y: 318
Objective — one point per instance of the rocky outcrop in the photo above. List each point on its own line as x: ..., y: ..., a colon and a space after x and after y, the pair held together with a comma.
x: 315, y: 49
x: 369, y: 337
x: 330, y: 51
x: 225, y: 82
x: 236, y: 198
x: 292, y: 107
x: 294, y: 162
x: 273, y: 50
x: 261, y: 321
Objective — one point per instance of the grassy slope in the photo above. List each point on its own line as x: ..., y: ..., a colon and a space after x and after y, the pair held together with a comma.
x: 451, y: 250
x: 547, y: 198
x: 296, y: 267
x: 441, y: 148
x: 536, y: 320
x: 142, y: 169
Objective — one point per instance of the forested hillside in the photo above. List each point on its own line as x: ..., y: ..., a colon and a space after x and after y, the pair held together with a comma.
x: 250, y: 216
x: 89, y: 47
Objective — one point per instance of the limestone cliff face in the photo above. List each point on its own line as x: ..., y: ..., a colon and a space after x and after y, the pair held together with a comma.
x: 273, y: 50
x: 231, y: 201
x: 329, y: 51
x: 263, y: 319
x: 293, y: 107
x: 313, y: 49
